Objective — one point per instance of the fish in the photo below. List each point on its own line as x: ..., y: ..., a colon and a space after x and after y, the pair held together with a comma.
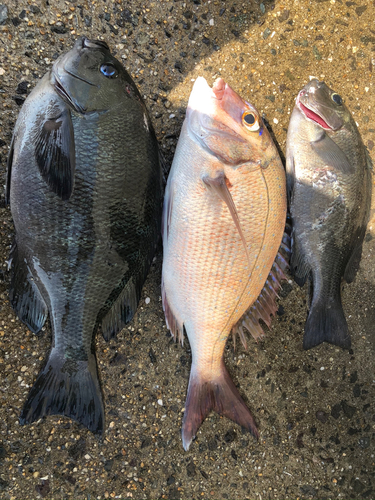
x: 329, y: 191
x: 222, y: 225
x: 84, y: 183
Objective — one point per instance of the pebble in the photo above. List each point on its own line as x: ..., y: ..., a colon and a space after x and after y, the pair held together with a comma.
x: 321, y: 416
x: 160, y: 402
x: 147, y: 300
x: 3, y: 13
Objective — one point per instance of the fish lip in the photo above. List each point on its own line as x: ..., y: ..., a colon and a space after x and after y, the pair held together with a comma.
x: 309, y: 114
x: 64, y: 94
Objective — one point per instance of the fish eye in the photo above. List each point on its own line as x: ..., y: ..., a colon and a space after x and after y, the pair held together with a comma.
x: 108, y: 70
x: 337, y: 99
x: 250, y: 121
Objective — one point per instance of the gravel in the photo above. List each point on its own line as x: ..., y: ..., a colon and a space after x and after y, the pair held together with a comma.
x: 317, y: 426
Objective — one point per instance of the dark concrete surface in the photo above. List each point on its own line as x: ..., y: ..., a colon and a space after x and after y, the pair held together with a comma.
x: 315, y: 409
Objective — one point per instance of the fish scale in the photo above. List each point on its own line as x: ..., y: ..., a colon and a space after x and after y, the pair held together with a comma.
x: 222, y: 227
x: 329, y: 188
x: 84, y: 183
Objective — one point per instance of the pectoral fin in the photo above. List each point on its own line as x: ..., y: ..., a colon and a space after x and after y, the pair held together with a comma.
x: 331, y: 154
x: 219, y: 186
x: 55, y: 153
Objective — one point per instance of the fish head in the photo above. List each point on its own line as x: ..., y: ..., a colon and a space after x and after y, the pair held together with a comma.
x: 225, y: 125
x: 322, y: 105
x: 90, y: 79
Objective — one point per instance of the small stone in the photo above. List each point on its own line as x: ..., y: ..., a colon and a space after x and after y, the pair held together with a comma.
x: 147, y: 300
x: 24, y: 368
x: 36, y: 474
x: 356, y: 390
x: 43, y: 489
x: 111, y: 425
x: 167, y: 104
x: 308, y: 490
x: 348, y: 410
x: 160, y: 402
x: 118, y: 359
x: 321, y: 416
x: 59, y: 28
x: 22, y: 87
x: 87, y: 456
x: 360, y: 10
x: 3, y: 14
x: 336, y: 410
x: 284, y: 15
x: 2, y: 71
x: 191, y: 469
x: 262, y: 8
x: 230, y: 436
x: 34, y: 9
x: 266, y: 33
x: 364, y: 442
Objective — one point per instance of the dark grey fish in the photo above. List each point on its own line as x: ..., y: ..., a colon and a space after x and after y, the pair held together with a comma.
x: 329, y: 189
x: 85, y: 189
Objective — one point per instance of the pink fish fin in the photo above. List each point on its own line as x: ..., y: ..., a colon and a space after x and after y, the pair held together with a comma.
x: 265, y: 306
x: 167, y: 210
x: 219, y: 394
x: 238, y: 330
x: 173, y: 325
x: 219, y: 186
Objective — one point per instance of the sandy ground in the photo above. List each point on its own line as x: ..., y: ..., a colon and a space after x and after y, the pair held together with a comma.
x: 315, y: 409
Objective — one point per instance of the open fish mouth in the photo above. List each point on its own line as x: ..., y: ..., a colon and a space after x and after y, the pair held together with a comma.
x: 310, y: 114
x: 65, y: 95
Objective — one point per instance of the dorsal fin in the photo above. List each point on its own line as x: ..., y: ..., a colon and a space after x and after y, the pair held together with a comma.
x: 265, y: 306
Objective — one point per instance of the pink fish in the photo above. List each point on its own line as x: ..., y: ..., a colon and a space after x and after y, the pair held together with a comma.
x: 223, y: 222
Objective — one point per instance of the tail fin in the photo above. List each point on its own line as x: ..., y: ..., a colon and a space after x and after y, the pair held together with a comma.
x: 326, y: 323
x: 67, y: 387
x: 220, y: 395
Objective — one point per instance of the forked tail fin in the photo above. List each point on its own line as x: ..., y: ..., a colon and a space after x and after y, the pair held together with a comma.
x: 67, y: 387
x: 219, y: 394
x: 326, y: 323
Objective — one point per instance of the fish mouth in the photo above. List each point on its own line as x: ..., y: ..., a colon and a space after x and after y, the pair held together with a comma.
x: 310, y: 114
x: 65, y: 95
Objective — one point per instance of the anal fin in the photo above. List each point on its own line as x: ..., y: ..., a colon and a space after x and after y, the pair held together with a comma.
x: 24, y: 295
x: 173, y: 325
x: 121, y: 311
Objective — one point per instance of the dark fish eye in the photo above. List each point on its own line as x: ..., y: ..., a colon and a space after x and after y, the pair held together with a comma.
x: 249, y: 118
x: 250, y: 121
x: 108, y: 70
x: 337, y: 99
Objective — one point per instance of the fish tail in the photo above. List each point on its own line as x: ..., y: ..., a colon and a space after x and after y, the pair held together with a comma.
x: 326, y: 323
x: 67, y: 387
x: 218, y: 394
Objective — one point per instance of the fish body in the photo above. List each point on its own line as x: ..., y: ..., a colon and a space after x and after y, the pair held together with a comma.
x: 329, y: 189
x: 223, y: 220
x: 84, y: 185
